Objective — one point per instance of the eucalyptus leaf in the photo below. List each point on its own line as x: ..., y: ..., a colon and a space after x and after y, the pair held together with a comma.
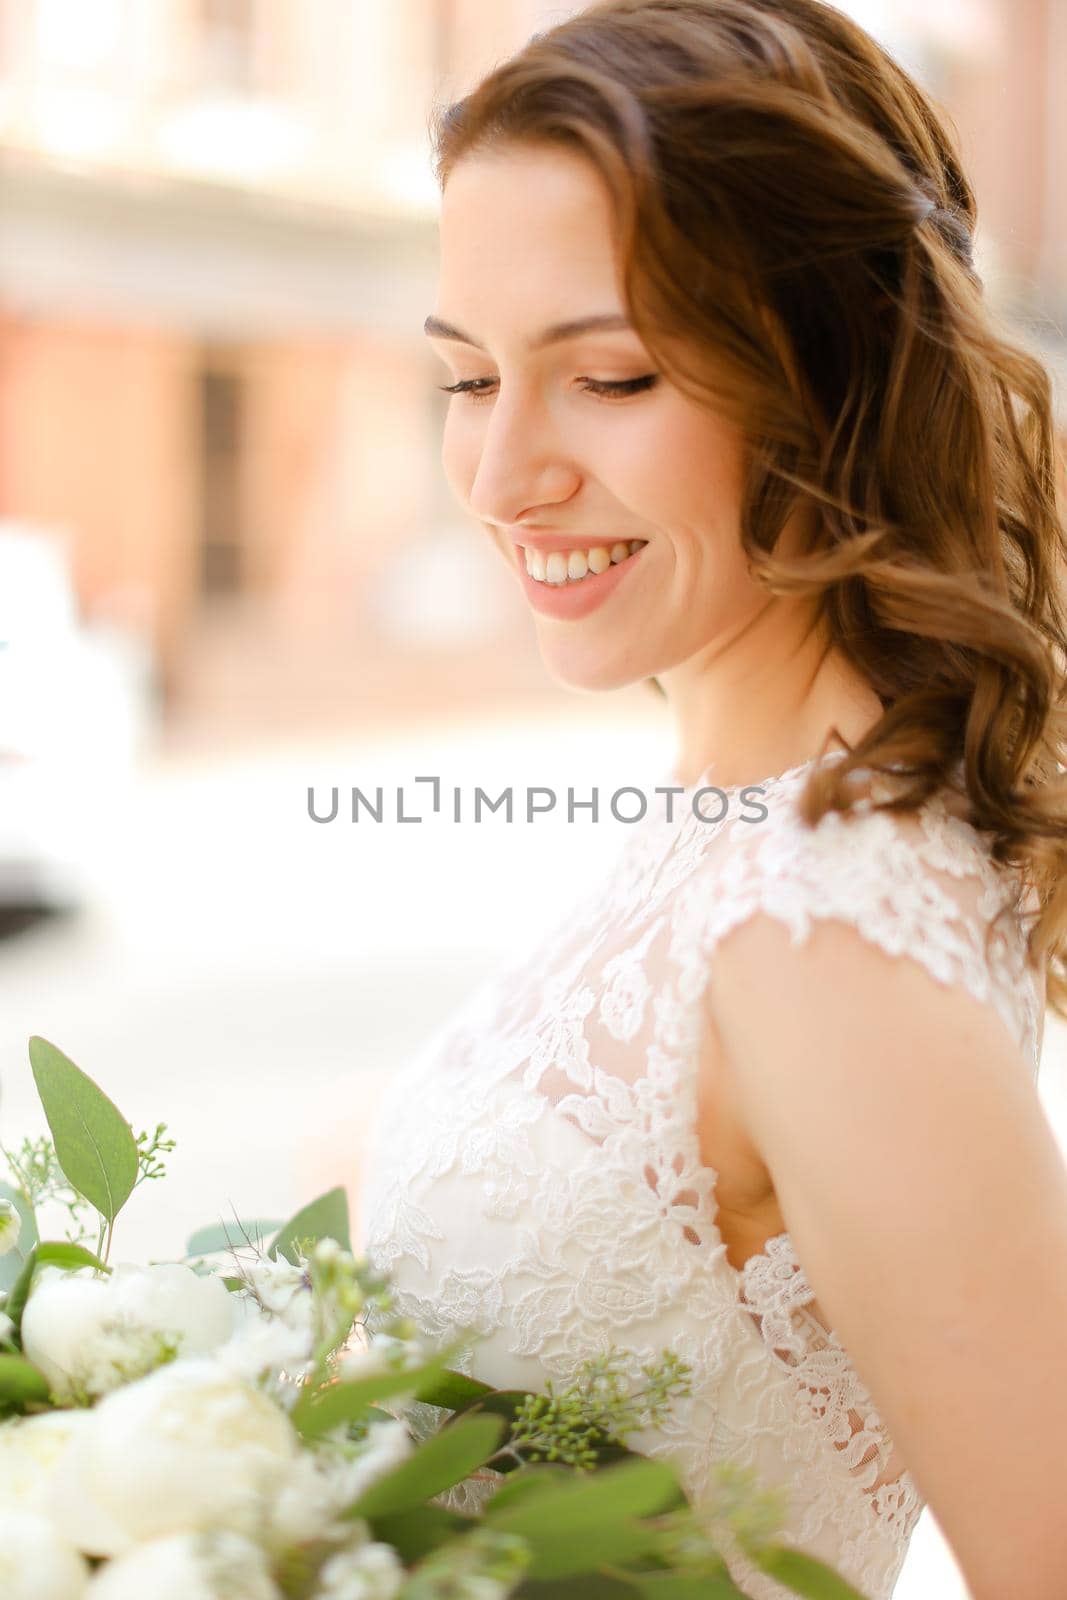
x: 228, y: 1236
x: 687, y: 1586
x: 498, y: 1403
x: 11, y: 1263
x: 60, y: 1253
x: 444, y: 1459
x: 528, y: 1482
x: 21, y: 1382
x: 456, y: 1390
x: 636, y: 1488
x: 583, y: 1550
x: 803, y: 1574
x: 413, y: 1534
x: 375, y: 1414
x: 608, y: 1587
x: 323, y: 1218
x: 15, y: 1303
x: 318, y: 1411
x: 94, y: 1143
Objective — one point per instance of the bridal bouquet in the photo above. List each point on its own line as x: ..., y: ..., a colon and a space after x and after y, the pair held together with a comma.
x: 235, y: 1424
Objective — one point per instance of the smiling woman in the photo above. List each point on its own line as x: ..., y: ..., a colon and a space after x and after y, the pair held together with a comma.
x: 626, y: 472
x: 728, y: 402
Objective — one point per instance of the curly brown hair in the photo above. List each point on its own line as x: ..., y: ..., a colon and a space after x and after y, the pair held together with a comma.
x: 795, y: 232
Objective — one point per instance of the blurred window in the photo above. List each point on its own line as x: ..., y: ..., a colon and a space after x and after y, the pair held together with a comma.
x: 222, y: 543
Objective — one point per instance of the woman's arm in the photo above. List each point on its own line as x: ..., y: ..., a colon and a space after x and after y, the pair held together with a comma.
x: 927, y: 1199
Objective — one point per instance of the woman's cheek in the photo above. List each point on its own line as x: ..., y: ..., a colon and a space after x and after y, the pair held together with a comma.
x: 462, y: 441
x: 459, y: 464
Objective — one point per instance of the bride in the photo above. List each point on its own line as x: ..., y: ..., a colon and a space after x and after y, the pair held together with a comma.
x: 728, y: 402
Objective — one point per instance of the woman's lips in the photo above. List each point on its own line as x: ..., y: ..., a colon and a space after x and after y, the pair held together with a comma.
x: 574, y: 599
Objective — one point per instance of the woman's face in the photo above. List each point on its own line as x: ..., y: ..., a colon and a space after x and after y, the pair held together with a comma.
x: 548, y: 466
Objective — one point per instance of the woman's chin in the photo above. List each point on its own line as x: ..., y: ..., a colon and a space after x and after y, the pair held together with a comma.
x: 591, y: 674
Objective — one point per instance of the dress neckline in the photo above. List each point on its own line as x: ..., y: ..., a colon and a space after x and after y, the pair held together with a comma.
x: 706, y: 778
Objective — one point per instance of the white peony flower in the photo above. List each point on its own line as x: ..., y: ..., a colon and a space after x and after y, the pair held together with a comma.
x: 264, y: 1344
x: 187, y: 1566
x: 89, y: 1335
x: 174, y: 1299
x: 7, y: 1327
x: 189, y: 1446
x: 61, y: 1324
x: 10, y: 1226
x: 36, y: 1563
x: 310, y: 1502
x: 370, y: 1572
x: 32, y: 1450
x: 306, y: 1506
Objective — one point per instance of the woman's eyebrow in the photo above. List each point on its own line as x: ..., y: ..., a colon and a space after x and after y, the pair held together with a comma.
x: 602, y: 322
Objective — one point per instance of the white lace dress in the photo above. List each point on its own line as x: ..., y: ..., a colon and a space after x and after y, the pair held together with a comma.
x: 535, y: 1172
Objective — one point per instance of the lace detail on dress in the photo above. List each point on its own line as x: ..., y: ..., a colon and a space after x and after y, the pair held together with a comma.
x: 776, y: 1294
x: 537, y: 1173
x: 922, y: 886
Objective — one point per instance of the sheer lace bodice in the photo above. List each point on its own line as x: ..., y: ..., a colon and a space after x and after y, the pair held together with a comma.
x: 536, y: 1172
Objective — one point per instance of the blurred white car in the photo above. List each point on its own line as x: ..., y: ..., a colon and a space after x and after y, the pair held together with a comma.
x: 74, y: 704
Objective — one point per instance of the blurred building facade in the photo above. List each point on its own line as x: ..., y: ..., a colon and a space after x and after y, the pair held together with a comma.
x: 217, y: 246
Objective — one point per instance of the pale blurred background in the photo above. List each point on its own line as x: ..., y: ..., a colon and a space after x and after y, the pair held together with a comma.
x: 230, y: 567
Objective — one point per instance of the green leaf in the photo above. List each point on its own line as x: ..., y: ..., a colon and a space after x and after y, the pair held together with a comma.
x: 318, y: 1411
x: 94, y: 1143
x: 636, y: 1488
x: 324, y: 1218
x: 58, y: 1253
x: 375, y: 1414
x: 498, y: 1403
x: 607, y: 1588
x: 21, y: 1382
x: 565, y: 1554
x: 11, y: 1263
x: 321, y: 1410
x: 446, y: 1458
x: 804, y: 1574
x: 455, y: 1390
x: 528, y: 1482
x: 687, y: 1586
x: 227, y: 1236
x: 15, y: 1303
x: 413, y: 1534
x: 580, y: 1525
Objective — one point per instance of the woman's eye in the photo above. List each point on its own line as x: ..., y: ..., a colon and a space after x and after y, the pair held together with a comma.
x: 606, y: 388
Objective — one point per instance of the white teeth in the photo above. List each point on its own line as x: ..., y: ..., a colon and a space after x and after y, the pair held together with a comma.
x: 574, y: 565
